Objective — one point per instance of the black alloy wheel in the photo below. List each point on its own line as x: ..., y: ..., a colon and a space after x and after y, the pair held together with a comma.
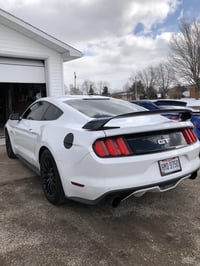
x: 9, y: 149
x: 51, y: 183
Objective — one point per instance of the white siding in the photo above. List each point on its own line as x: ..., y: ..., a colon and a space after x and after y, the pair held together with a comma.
x: 14, y: 44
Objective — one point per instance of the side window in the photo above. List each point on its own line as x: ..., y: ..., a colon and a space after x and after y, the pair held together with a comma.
x: 52, y: 113
x: 36, y: 111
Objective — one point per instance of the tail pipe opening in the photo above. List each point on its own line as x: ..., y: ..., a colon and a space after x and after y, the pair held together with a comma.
x: 115, y: 202
x: 193, y: 176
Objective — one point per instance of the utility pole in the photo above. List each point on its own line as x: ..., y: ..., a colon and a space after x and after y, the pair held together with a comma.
x: 75, y: 80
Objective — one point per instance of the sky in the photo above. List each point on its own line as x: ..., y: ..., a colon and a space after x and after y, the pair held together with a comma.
x: 118, y: 38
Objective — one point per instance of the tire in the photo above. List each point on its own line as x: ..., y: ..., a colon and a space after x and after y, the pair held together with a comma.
x: 51, y: 183
x: 9, y: 148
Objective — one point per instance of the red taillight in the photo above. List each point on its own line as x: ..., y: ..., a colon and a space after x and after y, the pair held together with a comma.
x: 111, y: 147
x: 100, y: 148
x: 123, y: 146
x: 192, y: 135
x: 189, y: 135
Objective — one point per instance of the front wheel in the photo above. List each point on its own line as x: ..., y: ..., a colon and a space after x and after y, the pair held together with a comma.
x: 51, y: 183
x: 9, y: 148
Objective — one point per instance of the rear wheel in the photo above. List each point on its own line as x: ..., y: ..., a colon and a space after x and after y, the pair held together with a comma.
x: 9, y: 149
x: 51, y: 183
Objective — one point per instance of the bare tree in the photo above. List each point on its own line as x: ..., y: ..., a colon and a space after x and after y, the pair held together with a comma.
x: 185, y: 52
x: 74, y: 91
x: 87, y: 86
x: 136, y: 89
x: 100, y: 85
x: 148, y: 79
x: 164, y: 78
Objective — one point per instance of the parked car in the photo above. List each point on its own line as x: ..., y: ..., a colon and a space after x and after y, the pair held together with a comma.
x: 152, y: 106
x: 91, y: 149
x: 172, y: 104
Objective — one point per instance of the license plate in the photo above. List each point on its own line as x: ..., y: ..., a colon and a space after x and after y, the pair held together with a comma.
x: 169, y: 166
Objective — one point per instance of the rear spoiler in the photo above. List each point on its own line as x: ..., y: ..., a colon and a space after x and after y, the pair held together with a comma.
x: 196, y: 112
x: 99, y: 124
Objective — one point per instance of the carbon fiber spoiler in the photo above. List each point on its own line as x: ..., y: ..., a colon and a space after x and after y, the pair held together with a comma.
x: 100, y: 124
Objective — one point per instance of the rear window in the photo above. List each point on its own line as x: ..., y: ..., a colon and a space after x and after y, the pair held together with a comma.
x: 98, y: 108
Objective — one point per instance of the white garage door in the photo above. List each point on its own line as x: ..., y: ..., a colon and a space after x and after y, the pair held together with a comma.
x: 17, y: 70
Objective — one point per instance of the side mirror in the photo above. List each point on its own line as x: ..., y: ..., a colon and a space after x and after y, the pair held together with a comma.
x: 15, y: 116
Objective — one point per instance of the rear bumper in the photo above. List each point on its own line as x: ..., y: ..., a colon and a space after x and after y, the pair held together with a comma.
x: 93, y: 179
x: 123, y: 194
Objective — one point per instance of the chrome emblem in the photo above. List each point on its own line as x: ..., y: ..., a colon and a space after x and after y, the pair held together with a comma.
x: 163, y: 141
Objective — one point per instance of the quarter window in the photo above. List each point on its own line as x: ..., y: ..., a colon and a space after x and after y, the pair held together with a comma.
x: 52, y: 113
x: 36, y: 111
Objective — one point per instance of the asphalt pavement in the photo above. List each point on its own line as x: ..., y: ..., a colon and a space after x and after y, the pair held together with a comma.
x: 156, y: 229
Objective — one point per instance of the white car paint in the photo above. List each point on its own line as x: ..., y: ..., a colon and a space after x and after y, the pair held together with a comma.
x: 81, y: 165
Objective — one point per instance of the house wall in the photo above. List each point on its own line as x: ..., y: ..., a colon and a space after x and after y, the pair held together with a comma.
x: 193, y: 93
x: 14, y: 44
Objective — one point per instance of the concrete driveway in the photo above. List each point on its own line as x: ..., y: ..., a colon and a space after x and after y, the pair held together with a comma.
x: 157, y: 229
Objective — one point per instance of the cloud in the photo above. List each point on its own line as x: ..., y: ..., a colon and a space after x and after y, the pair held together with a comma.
x: 86, y: 20
x: 116, y: 59
x: 104, y: 31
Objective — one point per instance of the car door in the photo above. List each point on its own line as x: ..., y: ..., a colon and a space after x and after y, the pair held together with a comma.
x: 28, y: 129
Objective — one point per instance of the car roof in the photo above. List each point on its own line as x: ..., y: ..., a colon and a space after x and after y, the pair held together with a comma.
x: 60, y: 99
x: 70, y: 97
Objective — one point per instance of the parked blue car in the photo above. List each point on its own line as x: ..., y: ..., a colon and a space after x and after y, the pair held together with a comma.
x: 195, y: 119
x: 169, y: 102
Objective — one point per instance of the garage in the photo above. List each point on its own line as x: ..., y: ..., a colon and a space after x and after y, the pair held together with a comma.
x: 31, y: 64
x: 21, y: 82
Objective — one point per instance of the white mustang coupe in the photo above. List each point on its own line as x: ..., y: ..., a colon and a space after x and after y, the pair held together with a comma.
x: 93, y: 149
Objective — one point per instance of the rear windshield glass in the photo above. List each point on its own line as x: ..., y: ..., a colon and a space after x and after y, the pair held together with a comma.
x: 98, y: 108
